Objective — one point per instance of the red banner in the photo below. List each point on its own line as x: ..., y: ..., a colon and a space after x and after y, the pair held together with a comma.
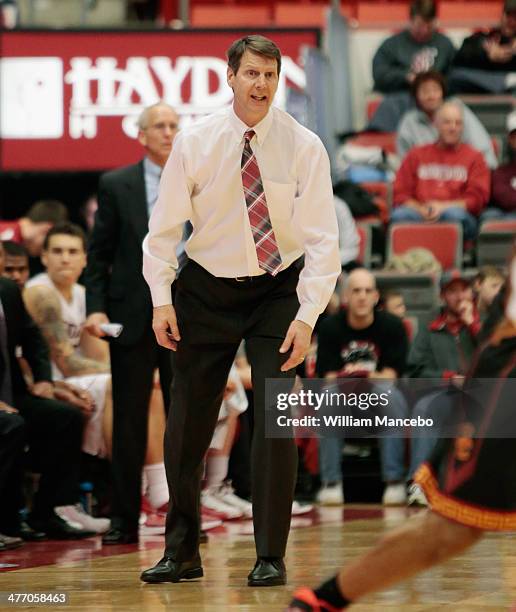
x: 69, y: 100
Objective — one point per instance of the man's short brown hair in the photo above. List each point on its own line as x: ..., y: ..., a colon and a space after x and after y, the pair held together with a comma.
x: 68, y: 229
x: 47, y: 211
x: 255, y: 44
x: 425, y: 9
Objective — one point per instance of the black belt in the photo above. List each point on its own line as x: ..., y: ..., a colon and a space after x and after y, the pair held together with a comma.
x: 246, y: 279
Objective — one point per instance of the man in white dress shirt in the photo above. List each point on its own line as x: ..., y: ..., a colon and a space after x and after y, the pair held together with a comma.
x: 256, y: 187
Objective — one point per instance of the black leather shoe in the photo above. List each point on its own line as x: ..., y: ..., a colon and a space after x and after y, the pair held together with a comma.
x: 270, y: 572
x: 168, y: 570
x: 8, y: 542
x: 58, y: 529
x: 118, y: 536
x: 25, y: 532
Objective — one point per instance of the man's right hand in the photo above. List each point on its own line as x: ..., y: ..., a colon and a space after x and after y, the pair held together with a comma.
x: 93, y: 323
x: 164, y: 324
x: 7, y: 408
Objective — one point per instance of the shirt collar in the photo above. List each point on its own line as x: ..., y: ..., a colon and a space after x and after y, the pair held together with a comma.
x: 261, y: 129
x: 151, y: 169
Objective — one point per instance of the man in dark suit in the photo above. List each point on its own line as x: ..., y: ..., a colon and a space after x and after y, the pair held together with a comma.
x: 53, y: 428
x: 116, y: 291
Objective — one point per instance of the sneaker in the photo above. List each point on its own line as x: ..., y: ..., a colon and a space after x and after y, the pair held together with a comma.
x: 331, y: 495
x: 78, y: 518
x: 395, y: 494
x: 9, y: 543
x: 416, y: 496
x: 57, y: 528
x: 226, y: 494
x: 207, y: 522
x: 305, y: 600
x: 217, y: 508
x: 153, y: 524
x: 298, y: 508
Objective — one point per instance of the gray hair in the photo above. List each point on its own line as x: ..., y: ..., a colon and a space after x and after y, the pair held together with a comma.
x: 143, y: 118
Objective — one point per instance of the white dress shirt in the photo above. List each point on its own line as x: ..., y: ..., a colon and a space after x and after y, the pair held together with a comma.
x: 202, y: 182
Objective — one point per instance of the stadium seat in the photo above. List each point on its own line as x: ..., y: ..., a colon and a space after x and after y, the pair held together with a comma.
x: 222, y: 15
x: 297, y: 15
x: 494, y: 242
x: 384, y: 140
x: 365, y: 245
x: 373, y: 101
x: 382, y: 14
x: 491, y: 110
x: 469, y: 13
x: 444, y: 240
x: 420, y: 291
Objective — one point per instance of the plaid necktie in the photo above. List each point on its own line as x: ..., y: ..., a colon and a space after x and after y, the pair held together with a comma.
x: 6, y: 394
x: 269, y: 258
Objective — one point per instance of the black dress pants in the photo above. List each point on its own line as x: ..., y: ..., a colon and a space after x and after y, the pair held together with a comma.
x: 214, y: 315
x: 12, y: 443
x: 132, y: 372
x: 54, y: 432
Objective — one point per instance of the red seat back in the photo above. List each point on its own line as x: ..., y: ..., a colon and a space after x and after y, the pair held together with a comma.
x: 444, y: 240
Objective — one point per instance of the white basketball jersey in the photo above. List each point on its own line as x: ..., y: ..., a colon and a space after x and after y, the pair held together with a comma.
x: 73, y: 313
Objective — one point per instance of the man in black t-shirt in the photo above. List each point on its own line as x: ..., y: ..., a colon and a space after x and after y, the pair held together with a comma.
x: 360, y: 341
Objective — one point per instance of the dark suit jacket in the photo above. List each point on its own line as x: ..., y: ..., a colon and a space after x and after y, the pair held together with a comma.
x: 114, y: 280
x: 22, y: 331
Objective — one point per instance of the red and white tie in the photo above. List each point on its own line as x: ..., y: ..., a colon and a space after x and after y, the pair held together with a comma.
x: 269, y: 258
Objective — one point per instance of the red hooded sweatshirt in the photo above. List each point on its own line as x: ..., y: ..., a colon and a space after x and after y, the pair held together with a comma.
x: 434, y: 172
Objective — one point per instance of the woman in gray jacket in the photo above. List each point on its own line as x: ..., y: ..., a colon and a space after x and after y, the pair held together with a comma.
x: 417, y: 125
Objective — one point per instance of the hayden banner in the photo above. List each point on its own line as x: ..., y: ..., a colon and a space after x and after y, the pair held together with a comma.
x: 69, y: 100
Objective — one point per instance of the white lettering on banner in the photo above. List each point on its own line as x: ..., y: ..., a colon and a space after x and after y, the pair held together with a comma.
x: 442, y: 172
x: 151, y: 79
x: 31, y: 104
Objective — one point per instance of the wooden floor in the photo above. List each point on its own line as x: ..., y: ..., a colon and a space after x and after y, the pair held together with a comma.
x: 107, y: 579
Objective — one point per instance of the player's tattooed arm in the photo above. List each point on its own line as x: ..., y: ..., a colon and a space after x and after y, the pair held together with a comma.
x: 44, y: 307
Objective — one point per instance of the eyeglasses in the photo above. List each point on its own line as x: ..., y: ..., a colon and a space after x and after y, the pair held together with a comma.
x: 160, y: 127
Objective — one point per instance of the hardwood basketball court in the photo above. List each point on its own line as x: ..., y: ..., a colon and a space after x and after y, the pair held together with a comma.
x: 107, y: 579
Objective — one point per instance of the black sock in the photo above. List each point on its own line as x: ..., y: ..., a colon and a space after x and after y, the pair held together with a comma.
x: 329, y: 591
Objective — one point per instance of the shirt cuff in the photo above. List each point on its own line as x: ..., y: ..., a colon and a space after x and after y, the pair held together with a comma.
x: 308, y: 314
x: 161, y: 296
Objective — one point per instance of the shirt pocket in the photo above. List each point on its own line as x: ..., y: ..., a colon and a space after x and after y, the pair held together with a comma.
x: 280, y: 198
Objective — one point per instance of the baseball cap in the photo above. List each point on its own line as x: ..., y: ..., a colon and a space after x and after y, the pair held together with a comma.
x: 511, y: 122
x: 452, y: 276
x: 509, y: 6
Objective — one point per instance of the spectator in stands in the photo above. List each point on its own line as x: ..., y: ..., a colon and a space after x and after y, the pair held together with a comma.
x: 9, y: 15
x: 401, y: 57
x: 486, y: 59
x: 117, y: 291
x: 444, y: 181
x: 443, y: 349
x: 394, y: 303
x: 417, y: 49
x: 362, y: 341
x: 16, y: 263
x: 87, y: 213
x: 417, y: 126
x: 31, y: 229
x: 349, y: 240
x: 486, y: 285
x: 503, y: 192
x: 54, y: 428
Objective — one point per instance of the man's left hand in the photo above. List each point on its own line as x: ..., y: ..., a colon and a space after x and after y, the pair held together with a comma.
x: 298, y: 337
x: 43, y: 388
